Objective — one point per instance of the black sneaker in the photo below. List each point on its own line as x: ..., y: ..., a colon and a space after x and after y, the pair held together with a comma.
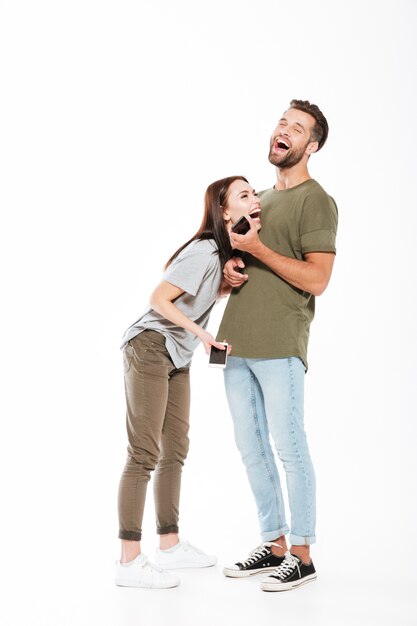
x: 259, y: 560
x: 290, y: 574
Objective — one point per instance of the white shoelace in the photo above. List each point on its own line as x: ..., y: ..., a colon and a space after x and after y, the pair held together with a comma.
x: 258, y: 553
x: 287, y: 567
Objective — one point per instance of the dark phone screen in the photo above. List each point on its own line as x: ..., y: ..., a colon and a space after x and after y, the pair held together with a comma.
x: 241, y: 227
x: 217, y: 356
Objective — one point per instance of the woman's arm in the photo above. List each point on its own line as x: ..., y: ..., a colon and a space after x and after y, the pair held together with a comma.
x: 162, y: 301
x: 225, y: 289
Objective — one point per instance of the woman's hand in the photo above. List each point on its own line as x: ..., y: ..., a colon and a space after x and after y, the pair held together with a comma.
x: 208, y: 340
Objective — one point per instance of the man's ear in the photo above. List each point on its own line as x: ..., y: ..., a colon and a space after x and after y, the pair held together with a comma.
x: 312, y: 147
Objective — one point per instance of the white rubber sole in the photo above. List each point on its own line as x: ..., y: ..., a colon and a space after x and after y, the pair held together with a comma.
x: 271, y: 586
x: 128, y: 583
x: 184, y: 566
x: 237, y: 573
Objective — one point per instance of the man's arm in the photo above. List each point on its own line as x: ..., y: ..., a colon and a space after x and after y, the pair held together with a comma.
x: 312, y: 274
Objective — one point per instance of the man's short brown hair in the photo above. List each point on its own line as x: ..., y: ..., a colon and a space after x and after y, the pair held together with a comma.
x: 321, y: 127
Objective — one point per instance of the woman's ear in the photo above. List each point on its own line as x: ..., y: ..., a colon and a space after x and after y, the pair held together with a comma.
x: 226, y: 215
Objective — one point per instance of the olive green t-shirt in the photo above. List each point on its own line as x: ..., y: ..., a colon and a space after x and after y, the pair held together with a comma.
x: 267, y: 317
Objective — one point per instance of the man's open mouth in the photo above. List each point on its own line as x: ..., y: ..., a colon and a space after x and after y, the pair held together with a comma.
x: 282, y: 145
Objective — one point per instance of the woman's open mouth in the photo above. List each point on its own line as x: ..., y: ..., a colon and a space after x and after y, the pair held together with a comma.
x: 255, y: 214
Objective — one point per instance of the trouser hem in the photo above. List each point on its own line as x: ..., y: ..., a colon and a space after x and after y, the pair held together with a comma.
x: 271, y: 535
x: 302, y: 541
x: 128, y: 535
x: 167, y: 529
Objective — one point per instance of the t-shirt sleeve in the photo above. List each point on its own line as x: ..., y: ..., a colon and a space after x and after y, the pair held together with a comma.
x: 318, y: 225
x: 188, y: 270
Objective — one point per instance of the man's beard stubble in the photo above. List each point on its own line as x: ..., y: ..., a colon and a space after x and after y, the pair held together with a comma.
x: 288, y: 161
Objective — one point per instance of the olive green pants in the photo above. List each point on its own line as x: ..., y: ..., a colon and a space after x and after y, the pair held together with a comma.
x: 157, y: 421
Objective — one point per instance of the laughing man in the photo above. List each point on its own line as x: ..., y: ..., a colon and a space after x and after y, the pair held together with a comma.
x: 267, y: 320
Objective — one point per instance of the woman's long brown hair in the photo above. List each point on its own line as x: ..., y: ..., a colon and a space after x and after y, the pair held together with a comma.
x: 213, y: 225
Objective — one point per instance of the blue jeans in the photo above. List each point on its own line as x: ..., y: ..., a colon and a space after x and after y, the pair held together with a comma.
x: 266, y: 396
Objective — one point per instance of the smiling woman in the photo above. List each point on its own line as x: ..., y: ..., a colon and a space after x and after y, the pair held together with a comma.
x: 157, y: 352
x: 242, y: 201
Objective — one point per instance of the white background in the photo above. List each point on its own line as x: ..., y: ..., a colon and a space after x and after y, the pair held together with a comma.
x: 115, y: 116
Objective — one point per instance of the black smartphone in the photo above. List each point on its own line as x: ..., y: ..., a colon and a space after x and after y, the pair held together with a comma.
x: 241, y: 227
x: 218, y: 358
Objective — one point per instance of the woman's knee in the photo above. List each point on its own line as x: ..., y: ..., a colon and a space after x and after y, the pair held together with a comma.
x: 142, y: 461
x: 174, y: 454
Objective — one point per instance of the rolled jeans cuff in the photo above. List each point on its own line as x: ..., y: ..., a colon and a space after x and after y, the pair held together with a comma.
x: 271, y: 535
x: 302, y: 541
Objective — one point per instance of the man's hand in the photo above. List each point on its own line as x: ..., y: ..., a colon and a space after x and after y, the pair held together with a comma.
x: 231, y: 274
x: 249, y: 242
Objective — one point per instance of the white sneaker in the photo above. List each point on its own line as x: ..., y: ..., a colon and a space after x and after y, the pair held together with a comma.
x: 141, y: 573
x: 182, y: 555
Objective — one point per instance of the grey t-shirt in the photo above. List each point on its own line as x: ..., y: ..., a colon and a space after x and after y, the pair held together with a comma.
x: 198, y: 272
